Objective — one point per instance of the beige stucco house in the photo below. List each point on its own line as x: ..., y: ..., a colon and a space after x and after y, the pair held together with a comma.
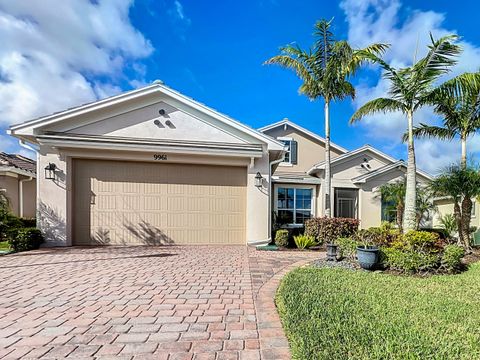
x: 152, y: 166
x: 18, y: 183
x: 356, y: 177
x: 444, y: 206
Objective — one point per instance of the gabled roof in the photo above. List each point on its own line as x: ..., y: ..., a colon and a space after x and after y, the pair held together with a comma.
x: 346, y: 156
x: 17, y: 162
x: 385, y: 169
x: 19, y: 130
x: 287, y: 122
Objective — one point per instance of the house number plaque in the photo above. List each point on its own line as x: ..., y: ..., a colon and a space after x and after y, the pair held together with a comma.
x: 160, y: 157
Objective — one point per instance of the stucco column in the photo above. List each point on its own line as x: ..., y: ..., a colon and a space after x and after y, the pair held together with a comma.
x: 52, y: 199
x: 257, y: 203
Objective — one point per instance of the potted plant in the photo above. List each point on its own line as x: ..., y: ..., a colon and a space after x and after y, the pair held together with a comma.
x: 367, y: 254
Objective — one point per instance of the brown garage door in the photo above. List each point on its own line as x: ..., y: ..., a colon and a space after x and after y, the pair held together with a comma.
x: 131, y: 203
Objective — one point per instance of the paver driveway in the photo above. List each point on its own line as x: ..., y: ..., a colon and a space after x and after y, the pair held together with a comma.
x: 196, y: 302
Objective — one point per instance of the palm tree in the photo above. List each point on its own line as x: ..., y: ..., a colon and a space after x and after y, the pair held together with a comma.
x: 461, y: 184
x: 394, y: 194
x: 410, y: 89
x: 324, y: 70
x: 460, y: 112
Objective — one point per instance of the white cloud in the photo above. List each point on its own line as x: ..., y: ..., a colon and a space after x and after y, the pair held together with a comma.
x: 381, y: 21
x: 58, y: 54
x: 180, y: 21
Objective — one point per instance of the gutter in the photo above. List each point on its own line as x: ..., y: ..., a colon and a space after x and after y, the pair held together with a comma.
x: 20, y: 195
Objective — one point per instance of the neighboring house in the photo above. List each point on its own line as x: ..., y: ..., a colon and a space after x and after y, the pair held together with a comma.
x: 150, y: 166
x: 444, y: 206
x: 356, y: 177
x: 18, y: 182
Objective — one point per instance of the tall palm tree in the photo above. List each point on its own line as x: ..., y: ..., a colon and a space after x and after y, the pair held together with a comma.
x: 410, y: 89
x: 324, y: 70
x: 460, y: 112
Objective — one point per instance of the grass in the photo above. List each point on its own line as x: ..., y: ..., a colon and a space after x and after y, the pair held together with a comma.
x: 342, y: 314
x: 4, y: 246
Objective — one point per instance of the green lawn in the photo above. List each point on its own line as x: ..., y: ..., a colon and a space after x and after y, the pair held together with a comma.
x: 341, y: 314
x: 4, y: 246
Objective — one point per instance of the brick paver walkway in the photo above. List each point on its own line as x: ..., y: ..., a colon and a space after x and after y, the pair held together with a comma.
x: 197, y: 302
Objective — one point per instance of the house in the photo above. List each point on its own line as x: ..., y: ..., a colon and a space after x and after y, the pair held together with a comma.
x: 18, y: 182
x: 356, y: 177
x: 152, y: 166
x: 444, y: 206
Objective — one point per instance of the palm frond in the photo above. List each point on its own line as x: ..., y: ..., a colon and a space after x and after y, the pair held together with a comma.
x: 325, y: 41
x: 438, y: 61
x: 427, y: 131
x: 292, y: 58
x: 379, y: 105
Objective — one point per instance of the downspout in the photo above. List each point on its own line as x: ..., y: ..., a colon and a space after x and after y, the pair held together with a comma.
x: 20, y: 195
x: 270, y: 191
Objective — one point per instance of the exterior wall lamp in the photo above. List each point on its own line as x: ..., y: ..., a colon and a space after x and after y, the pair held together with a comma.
x: 258, y: 180
x: 50, y: 171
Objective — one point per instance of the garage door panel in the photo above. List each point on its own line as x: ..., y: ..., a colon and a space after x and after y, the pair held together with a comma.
x: 122, y: 203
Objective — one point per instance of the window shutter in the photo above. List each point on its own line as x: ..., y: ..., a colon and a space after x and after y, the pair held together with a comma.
x: 293, y: 152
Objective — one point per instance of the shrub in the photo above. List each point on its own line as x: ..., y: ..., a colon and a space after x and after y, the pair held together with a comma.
x: 409, y: 260
x: 347, y: 247
x: 326, y: 229
x: 380, y: 236
x: 8, y: 224
x: 281, y: 238
x: 452, y: 257
x: 26, y: 239
x: 28, y: 222
x: 304, y: 241
x: 421, y: 240
x: 449, y: 224
x: 413, y: 252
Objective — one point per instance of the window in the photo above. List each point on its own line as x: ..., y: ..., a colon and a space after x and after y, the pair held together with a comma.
x: 291, y: 150
x: 346, y: 203
x: 294, y: 205
x: 389, y: 211
x: 288, y: 145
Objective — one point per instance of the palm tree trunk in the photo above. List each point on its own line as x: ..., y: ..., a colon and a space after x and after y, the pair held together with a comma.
x: 463, y: 162
x: 458, y: 219
x: 328, y: 180
x: 400, y: 210
x: 409, y: 219
x: 465, y: 220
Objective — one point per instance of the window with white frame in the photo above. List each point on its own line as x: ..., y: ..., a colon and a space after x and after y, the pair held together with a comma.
x: 294, y: 205
x: 291, y: 149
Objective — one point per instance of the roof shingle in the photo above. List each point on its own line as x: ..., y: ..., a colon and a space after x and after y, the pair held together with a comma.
x: 18, y: 161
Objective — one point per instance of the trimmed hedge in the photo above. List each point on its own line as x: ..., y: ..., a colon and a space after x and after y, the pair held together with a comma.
x: 26, y: 239
x: 281, y: 238
x: 28, y: 222
x: 325, y: 229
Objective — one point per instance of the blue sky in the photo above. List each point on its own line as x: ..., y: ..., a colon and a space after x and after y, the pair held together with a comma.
x: 213, y: 52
